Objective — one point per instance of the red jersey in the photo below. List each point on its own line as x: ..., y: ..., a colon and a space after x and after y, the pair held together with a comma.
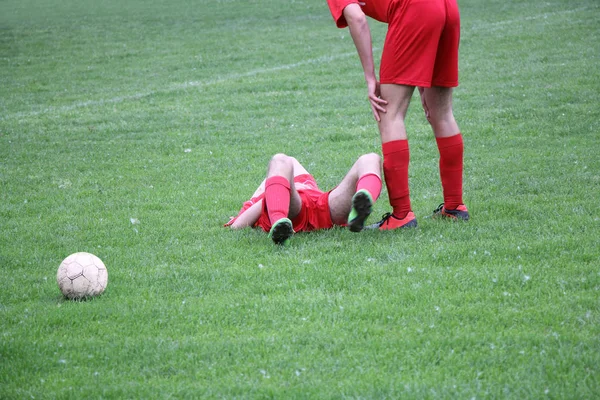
x: 376, y: 9
x: 421, y: 44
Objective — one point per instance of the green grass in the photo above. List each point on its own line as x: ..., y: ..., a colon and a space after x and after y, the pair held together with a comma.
x: 168, y: 112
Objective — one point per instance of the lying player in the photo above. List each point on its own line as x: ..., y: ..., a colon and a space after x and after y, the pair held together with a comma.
x: 290, y: 201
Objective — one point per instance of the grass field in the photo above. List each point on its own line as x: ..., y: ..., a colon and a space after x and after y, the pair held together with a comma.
x: 133, y: 130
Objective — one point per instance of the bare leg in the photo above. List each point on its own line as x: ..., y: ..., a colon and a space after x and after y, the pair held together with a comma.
x: 391, y: 126
x: 340, y: 198
x: 437, y: 103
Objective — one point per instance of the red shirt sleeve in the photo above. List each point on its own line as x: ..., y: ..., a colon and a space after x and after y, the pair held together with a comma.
x: 376, y: 9
x: 337, y: 11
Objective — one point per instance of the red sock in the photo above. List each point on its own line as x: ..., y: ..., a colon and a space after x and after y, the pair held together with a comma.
x: 277, y: 197
x: 451, y: 169
x: 371, y: 183
x: 396, y: 156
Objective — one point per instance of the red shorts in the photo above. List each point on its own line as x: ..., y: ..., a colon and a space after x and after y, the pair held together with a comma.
x: 421, y: 46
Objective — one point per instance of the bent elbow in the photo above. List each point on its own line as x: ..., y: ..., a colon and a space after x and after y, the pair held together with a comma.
x: 355, y: 17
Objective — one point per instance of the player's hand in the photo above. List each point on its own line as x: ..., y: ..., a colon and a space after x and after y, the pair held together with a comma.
x: 375, y: 99
x: 424, y: 103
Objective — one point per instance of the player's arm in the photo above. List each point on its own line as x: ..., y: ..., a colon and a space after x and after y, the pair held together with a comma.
x: 361, y: 35
x: 248, y: 217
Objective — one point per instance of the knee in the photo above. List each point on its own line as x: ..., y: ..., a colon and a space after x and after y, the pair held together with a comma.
x: 370, y: 159
x: 440, y: 116
x: 443, y: 123
x: 281, y: 160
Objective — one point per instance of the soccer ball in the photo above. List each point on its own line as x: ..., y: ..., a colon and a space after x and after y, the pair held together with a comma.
x: 82, y: 275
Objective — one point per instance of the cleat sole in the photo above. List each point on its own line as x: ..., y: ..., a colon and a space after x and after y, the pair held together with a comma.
x: 363, y: 205
x: 281, y: 231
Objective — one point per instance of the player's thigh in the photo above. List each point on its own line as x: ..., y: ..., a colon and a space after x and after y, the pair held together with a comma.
x: 295, y: 199
x: 295, y: 203
x: 340, y: 199
x: 299, y: 168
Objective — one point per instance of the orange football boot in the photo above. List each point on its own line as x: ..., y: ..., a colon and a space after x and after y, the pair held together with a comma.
x: 459, y: 212
x: 389, y: 221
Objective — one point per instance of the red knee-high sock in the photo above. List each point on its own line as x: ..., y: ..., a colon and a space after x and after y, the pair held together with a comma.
x: 371, y: 183
x: 277, y: 197
x: 396, y: 157
x: 451, y: 169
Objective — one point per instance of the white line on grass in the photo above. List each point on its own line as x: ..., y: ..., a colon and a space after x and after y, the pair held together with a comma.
x: 176, y: 87
x: 491, y: 26
x: 227, y: 78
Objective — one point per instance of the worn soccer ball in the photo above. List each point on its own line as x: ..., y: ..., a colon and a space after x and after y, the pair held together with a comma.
x: 82, y: 275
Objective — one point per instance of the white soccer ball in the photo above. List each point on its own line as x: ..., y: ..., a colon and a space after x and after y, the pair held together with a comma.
x: 82, y: 275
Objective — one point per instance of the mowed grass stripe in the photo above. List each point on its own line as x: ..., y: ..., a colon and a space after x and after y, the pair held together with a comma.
x: 481, y: 28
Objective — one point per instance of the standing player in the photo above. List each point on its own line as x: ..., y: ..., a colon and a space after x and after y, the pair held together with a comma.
x: 290, y: 201
x: 420, y: 50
